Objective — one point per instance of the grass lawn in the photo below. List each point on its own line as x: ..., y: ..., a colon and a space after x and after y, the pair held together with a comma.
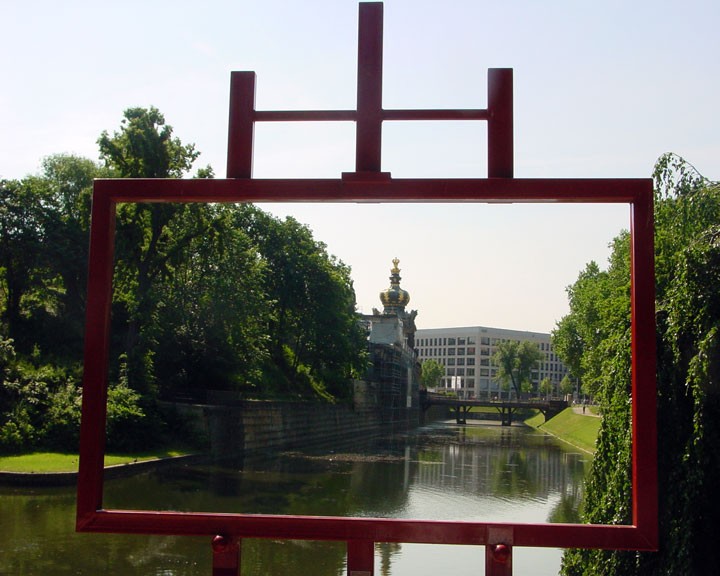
x: 48, y: 462
x: 579, y: 430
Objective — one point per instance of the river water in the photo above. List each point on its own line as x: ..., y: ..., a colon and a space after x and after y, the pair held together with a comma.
x: 442, y: 471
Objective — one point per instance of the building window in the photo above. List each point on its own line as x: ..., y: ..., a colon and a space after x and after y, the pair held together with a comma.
x: 471, y: 340
x: 451, y: 361
x: 451, y: 341
x: 471, y: 351
x: 461, y: 341
x: 461, y: 371
x: 484, y: 351
x: 461, y: 361
x: 451, y: 371
x: 471, y: 361
x: 470, y: 371
x: 461, y: 351
x: 451, y: 351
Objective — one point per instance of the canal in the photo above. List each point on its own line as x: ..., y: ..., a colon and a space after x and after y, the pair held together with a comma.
x: 442, y: 471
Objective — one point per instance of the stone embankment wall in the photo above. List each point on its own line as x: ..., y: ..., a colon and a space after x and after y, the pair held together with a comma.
x: 233, y: 426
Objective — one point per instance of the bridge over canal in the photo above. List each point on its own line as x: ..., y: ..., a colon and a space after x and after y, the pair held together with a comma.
x: 506, y: 408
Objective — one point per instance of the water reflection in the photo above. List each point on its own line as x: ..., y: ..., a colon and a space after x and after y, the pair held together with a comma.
x: 444, y: 472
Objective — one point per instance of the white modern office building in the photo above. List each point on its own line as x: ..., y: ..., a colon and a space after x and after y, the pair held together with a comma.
x: 467, y: 354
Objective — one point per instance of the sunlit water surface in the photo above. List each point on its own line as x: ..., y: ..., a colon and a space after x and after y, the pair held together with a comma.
x: 441, y: 472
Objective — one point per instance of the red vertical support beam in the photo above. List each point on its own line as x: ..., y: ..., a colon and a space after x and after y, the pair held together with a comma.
x: 498, y: 560
x: 226, y: 556
x: 644, y: 408
x: 368, y: 140
x: 500, y: 123
x: 241, y: 125
x: 95, y: 376
x: 360, y: 558
x: 498, y: 551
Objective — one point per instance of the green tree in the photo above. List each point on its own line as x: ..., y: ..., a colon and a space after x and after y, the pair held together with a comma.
x: 144, y: 147
x: 21, y: 239
x: 687, y: 212
x: 315, y: 342
x: 44, y: 222
x: 65, y: 188
x: 431, y: 373
x: 515, y: 361
x: 205, y: 295
x: 212, y: 311
x: 567, y: 386
x: 546, y: 387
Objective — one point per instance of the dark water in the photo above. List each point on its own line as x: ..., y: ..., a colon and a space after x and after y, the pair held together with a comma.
x: 485, y: 473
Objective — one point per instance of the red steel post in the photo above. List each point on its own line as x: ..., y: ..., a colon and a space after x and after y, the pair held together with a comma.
x: 498, y: 560
x: 498, y: 551
x: 97, y: 345
x: 644, y: 406
x: 368, y: 137
x: 360, y: 558
x: 226, y: 556
x: 241, y: 125
x: 500, y: 123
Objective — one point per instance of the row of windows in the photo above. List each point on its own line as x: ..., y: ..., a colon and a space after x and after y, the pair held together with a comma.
x: 468, y: 340
x: 459, y: 361
x: 470, y: 372
x: 463, y: 361
x: 446, y: 341
x: 439, y: 352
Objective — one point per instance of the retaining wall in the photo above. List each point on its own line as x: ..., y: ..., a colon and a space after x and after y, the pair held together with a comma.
x: 245, y: 427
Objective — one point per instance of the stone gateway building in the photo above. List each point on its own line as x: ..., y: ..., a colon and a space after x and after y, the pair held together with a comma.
x: 395, y: 369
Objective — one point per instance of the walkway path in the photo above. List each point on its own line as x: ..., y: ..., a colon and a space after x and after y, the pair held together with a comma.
x: 578, y: 409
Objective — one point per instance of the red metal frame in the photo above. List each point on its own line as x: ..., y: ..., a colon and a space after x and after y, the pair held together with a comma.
x: 369, y: 184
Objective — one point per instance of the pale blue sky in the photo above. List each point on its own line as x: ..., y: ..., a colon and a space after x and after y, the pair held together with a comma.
x: 601, y: 90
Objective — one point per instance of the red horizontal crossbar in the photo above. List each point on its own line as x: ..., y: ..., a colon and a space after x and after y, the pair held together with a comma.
x: 370, y: 529
x: 351, y: 115
x: 354, y: 188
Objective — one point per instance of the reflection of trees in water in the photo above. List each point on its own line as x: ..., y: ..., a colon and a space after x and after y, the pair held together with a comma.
x: 282, y: 557
x: 505, y: 463
x: 387, y: 550
x: 37, y: 533
x: 567, y: 510
x: 37, y: 536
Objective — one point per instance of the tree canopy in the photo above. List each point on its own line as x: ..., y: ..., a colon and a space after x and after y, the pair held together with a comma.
x: 594, y: 339
x: 516, y: 361
x: 431, y: 373
x: 205, y: 296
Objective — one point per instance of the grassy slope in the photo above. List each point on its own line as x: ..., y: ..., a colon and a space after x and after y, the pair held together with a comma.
x: 576, y: 429
x: 49, y: 462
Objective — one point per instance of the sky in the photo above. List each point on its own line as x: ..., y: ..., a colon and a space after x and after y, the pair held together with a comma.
x: 601, y: 90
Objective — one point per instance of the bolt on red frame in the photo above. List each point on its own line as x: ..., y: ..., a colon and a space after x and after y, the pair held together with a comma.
x: 369, y: 184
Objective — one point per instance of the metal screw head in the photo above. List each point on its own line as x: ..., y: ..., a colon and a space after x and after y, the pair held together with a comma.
x: 220, y: 543
x: 501, y: 553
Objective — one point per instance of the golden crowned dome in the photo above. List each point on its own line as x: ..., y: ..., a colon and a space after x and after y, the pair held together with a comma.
x: 394, y: 298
